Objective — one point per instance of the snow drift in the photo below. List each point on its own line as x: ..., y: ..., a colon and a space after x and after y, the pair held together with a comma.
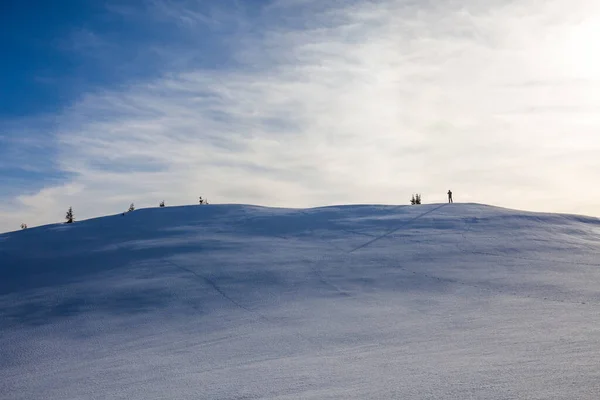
x: 458, y: 301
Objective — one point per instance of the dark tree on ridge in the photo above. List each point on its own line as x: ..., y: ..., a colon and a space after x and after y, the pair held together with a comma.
x: 70, y: 217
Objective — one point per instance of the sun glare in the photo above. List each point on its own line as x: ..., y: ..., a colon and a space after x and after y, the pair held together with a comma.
x: 582, y: 49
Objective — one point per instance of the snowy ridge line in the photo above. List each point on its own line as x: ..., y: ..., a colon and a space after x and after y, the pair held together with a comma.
x: 216, y: 287
x: 362, y: 246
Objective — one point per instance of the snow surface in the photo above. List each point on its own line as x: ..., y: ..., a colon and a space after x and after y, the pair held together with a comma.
x: 458, y: 301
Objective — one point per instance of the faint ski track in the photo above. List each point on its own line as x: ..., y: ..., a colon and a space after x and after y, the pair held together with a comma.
x: 478, y: 285
x: 358, y: 233
x: 471, y: 295
x: 216, y: 287
x: 223, y: 294
x: 318, y: 271
x: 341, y: 254
x: 370, y: 242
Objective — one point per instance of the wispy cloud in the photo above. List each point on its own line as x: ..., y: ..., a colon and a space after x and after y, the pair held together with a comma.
x: 357, y: 102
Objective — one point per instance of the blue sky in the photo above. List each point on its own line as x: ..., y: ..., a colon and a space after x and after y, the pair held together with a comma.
x: 296, y: 103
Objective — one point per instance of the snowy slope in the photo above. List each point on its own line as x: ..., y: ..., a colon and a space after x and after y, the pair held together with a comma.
x: 351, y: 302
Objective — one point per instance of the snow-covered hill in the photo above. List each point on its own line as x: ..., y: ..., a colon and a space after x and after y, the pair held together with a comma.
x: 351, y: 302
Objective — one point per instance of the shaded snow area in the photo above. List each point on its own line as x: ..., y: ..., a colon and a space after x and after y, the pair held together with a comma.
x: 353, y: 302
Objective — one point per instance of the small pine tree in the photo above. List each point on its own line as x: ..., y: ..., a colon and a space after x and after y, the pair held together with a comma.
x: 23, y: 226
x: 418, y: 199
x: 202, y: 201
x: 162, y: 204
x: 131, y: 208
x: 70, y: 217
x: 413, y: 201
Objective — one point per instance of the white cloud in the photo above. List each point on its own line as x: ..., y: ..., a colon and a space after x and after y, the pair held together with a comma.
x: 368, y: 102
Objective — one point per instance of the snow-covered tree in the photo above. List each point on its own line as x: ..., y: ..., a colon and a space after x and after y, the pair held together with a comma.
x: 23, y: 226
x: 131, y: 208
x: 162, y: 204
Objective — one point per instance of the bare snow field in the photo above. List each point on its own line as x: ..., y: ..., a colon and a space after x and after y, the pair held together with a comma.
x: 460, y: 301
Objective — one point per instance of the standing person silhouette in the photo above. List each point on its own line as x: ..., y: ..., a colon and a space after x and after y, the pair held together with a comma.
x: 450, y: 197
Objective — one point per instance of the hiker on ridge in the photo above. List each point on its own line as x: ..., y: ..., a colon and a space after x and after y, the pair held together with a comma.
x: 450, y: 197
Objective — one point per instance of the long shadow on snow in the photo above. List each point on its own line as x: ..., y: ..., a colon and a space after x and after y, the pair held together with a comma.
x: 25, y: 273
x: 126, y: 302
